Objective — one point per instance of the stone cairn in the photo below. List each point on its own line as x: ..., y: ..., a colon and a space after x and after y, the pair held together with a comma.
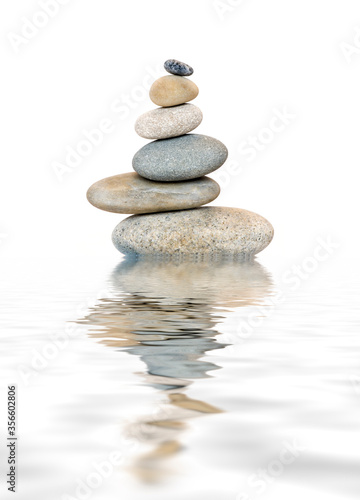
x: 169, y: 187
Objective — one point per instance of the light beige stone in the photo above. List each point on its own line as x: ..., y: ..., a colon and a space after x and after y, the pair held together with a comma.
x: 206, y: 230
x: 131, y: 194
x: 172, y: 90
x: 163, y: 123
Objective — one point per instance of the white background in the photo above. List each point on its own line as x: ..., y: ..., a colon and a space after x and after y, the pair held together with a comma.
x: 249, y: 57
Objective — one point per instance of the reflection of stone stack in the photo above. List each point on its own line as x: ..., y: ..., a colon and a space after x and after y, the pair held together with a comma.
x: 166, y: 313
x: 169, y: 185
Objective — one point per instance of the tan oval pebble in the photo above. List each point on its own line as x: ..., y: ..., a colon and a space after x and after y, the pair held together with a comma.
x: 172, y: 90
x: 204, y: 231
x: 163, y: 123
x: 131, y: 194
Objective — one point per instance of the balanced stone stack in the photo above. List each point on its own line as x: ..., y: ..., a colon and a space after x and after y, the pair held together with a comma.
x: 169, y: 186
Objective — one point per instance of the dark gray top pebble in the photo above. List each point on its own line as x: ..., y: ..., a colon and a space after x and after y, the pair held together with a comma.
x: 178, y: 68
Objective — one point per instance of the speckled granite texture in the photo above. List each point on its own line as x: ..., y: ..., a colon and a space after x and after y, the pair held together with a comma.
x: 180, y: 158
x: 131, y: 194
x: 163, y: 123
x: 172, y: 90
x: 176, y: 67
x: 206, y: 230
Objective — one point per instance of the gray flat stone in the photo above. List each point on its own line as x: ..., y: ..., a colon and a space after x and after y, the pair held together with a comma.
x: 163, y: 123
x: 180, y: 158
x: 131, y: 194
x: 176, y: 67
x: 206, y: 230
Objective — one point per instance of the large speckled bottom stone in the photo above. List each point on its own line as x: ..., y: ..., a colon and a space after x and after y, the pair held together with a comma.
x: 206, y: 230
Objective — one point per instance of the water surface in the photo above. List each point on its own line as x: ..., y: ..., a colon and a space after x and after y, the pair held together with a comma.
x: 209, y: 379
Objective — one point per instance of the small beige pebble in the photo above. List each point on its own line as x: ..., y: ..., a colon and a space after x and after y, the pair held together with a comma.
x: 172, y: 90
x: 163, y: 123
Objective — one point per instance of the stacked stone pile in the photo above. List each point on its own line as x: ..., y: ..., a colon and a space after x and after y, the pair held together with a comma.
x: 170, y: 184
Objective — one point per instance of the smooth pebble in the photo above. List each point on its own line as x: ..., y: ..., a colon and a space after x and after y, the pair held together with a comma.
x: 131, y: 194
x: 176, y: 67
x: 163, y: 123
x: 172, y: 90
x: 180, y: 158
x: 206, y: 230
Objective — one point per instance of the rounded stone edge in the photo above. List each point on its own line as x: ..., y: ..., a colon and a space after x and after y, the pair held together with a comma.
x: 270, y: 232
